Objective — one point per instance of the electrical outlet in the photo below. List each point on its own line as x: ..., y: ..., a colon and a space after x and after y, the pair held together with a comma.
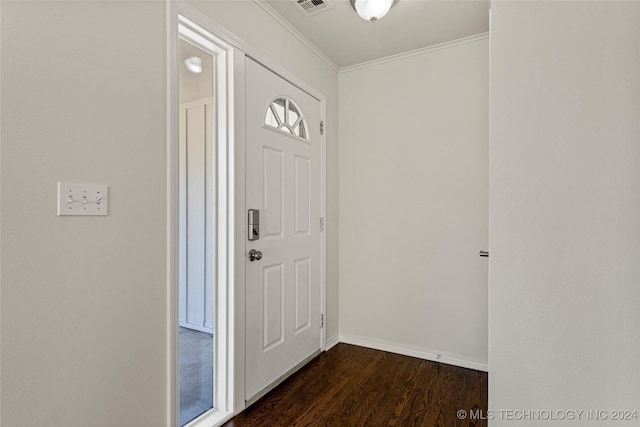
x: 82, y: 199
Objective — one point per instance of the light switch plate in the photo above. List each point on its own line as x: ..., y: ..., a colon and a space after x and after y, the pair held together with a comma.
x: 82, y: 199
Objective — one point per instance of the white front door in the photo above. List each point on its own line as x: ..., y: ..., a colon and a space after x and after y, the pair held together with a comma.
x: 283, y: 164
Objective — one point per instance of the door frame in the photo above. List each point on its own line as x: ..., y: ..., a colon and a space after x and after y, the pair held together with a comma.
x: 234, y: 387
x: 182, y: 26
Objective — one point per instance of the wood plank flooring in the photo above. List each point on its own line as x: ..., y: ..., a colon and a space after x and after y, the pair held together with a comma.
x: 357, y: 386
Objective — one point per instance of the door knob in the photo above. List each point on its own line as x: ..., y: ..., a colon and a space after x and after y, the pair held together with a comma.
x: 255, y: 255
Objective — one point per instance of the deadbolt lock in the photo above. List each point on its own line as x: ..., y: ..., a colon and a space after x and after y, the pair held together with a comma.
x: 254, y: 224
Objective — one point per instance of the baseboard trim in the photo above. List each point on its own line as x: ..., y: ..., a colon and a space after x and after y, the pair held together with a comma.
x: 195, y: 327
x: 419, y: 353
x: 331, y: 342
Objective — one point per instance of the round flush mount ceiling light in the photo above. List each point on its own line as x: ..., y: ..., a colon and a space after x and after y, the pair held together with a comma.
x: 193, y: 64
x: 372, y: 10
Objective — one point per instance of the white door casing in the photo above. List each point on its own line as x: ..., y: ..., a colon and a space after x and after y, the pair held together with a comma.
x: 283, y: 181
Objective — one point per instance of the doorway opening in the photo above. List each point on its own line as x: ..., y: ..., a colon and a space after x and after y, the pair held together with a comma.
x: 196, y: 221
x: 201, y: 187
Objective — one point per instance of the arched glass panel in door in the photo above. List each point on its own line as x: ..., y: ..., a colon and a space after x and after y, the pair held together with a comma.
x: 284, y: 115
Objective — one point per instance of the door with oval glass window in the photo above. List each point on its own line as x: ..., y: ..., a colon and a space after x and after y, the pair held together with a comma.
x: 283, y: 273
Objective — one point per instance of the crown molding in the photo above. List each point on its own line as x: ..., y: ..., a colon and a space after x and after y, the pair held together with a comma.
x: 297, y: 34
x: 415, y: 52
x: 320, y: 54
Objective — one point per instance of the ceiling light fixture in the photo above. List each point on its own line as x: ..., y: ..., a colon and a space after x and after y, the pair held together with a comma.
x: 372, y: 10
x: 194, y: 64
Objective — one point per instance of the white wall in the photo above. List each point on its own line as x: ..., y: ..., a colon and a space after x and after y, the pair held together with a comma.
x: 83, y: 307
x: 565, y: 207
x: 196, y: 218
x: 414, y: 203
x: 84, y: 299
x: 253, y: 25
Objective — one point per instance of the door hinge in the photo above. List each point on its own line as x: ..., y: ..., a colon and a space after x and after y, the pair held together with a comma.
x: 321, y: 321
x: 321, y: 128
x: 321, y: 223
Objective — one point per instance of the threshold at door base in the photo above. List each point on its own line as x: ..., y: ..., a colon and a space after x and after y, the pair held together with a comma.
x: 280, y: 379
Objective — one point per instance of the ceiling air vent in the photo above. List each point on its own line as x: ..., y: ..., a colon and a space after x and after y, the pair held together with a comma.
x: 313, y: 7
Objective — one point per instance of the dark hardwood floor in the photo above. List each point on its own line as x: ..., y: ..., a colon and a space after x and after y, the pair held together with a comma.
x: 357, y: 386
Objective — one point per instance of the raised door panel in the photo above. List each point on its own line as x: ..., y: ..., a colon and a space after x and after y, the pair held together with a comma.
x: 283, y: 181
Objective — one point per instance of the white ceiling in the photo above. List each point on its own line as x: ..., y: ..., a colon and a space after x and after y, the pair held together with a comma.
x: 194, y: 86
x: 410, y: 24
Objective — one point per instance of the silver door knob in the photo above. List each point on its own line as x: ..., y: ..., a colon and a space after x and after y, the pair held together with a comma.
x: 255, y: 255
